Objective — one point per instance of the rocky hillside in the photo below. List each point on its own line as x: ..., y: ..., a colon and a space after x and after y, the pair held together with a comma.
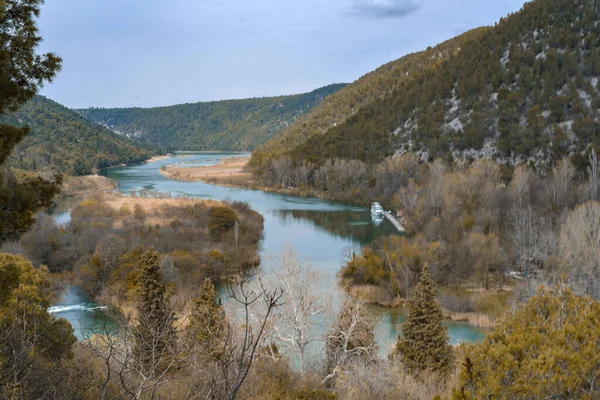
x: 525, y: 90
x: 62, y: 140
x: 376, y: 85
x: 220, y: 125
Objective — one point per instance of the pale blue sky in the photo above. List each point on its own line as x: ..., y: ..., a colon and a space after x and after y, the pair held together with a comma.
x: 122, y: 53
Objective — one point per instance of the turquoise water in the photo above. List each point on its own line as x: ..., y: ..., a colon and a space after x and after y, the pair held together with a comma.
x: 319, y: 230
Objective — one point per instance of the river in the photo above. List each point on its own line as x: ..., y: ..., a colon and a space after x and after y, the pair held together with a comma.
x: 318, y: 230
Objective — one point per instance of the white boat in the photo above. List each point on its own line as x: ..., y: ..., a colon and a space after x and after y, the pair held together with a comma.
x: 376, y: 209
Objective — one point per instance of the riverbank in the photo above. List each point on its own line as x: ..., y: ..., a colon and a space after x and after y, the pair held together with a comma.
x: 478, y: 308
x: 235, y: 172
x: 228, y: 171
x: 80, y: 186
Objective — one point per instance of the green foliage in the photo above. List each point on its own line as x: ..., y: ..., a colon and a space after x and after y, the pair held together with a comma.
x: 549, y: 348
x: 22, y: 72
x: 221, y: 125
x: 32, y: 339
x: 61, y: 139
x: 207, y: 321
x: 222, y: 219
x: 365, y: 269
x: 21, y: 194
x: 423, y: 344
x: 155, y: 334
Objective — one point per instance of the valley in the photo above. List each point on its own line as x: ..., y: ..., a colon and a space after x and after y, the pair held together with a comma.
x: 251, y: 248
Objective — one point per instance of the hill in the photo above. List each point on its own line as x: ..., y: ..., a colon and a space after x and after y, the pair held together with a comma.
x: 222, y: 125
x: 378, y: 84
x: 61, y: 139
x: 525, y: 90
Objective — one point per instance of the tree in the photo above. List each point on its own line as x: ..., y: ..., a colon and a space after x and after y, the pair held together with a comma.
x: 207, y: 322
x: 423, y: 344
x: 222, y: 219
x: 32, y: 341
x: 549, y: 348
x: 240, y: 348
x: 350, y: 338
x: 303, y: 304
x: 155, y: 334
x: 22, y: 73
x: 580, y: 247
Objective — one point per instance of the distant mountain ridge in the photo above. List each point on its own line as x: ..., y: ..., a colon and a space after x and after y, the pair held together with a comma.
x: 526, y: 90
x: 221, y: 125
x: 63, y: 140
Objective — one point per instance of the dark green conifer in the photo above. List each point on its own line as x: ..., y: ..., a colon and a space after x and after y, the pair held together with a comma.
x: 155, y: 334
x: 22, y: 74
x: 207, y: 321
x: 423, y: 344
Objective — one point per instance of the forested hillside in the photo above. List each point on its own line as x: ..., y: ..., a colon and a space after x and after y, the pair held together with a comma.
x: 61, y: 139
x: 378, y: 84
x: 219, y: 125
x: 526, y: 89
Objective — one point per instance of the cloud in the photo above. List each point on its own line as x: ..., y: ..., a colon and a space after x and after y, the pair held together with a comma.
x: 383, y: 8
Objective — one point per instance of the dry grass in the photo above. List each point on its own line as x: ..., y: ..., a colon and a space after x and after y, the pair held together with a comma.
x: 226, y: 171
x: 82, y: 185
x: 152, y: 205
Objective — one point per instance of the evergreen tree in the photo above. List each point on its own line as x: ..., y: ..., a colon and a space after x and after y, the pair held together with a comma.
x: 207, y: 321
x: 33, y: 342
x: 547, y: 349
x: 423, y: 344
x: 22, y: 73
x: 155, y: 334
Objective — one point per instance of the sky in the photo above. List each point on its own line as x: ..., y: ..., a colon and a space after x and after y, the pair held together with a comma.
x: 147, y: 53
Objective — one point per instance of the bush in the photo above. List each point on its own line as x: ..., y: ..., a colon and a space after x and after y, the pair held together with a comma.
x: 222, y: 219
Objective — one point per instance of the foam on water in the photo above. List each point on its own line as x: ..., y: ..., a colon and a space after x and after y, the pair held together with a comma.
x: 74, y: 307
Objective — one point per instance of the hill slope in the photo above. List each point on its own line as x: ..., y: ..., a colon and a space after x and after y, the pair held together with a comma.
x: 527, y: 89
x: 61, y: 139
x: 221, y: 125
x: 375, y: 85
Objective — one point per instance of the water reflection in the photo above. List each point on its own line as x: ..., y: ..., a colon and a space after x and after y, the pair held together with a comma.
x: 357, y: 225
x: 378, y: 219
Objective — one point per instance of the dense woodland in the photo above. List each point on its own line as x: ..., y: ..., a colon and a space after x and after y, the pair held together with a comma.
x: 221, y: 125
x: 525, y: 89
x: 475, y: 228
x: 61, y: 140
x: 339, y: 107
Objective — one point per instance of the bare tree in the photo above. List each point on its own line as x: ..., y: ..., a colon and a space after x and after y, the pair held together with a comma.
x: 533, y: 238
x: 559, y: 187
x: 594, y: 172
x: 521, y: 185
x: 114, y: 344
x: 350, y: 338
x: 296, y: 320
x: 580, y: 246
x: 240, y: 349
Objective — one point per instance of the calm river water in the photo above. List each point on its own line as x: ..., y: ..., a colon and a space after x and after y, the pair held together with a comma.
x: 317, y: 229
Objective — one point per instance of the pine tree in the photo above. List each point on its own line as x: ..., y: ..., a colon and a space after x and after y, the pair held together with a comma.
x: 546, y: 349
x: 155, y: 334
x: 22, y: 73
x: 207, y: 321
x: 423, y: 344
